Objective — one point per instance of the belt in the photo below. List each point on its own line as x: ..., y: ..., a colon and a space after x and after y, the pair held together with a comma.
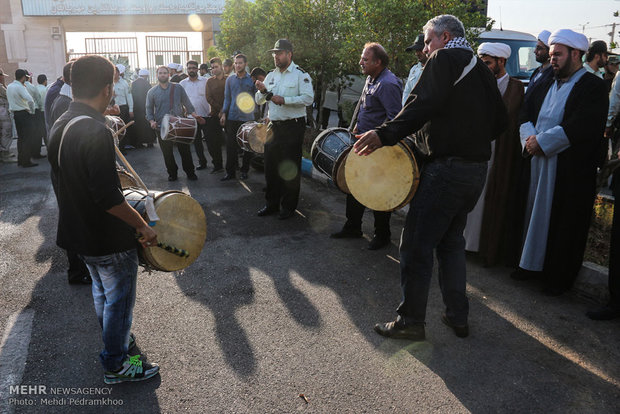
x: 289, y: 121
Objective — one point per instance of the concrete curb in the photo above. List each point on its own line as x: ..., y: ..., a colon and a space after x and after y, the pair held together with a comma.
x: 591, y: 283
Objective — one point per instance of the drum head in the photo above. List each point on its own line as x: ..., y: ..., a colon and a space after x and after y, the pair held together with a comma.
x: 385, y: 180
x: 258, y: 138
x: 165, y: 126
x: 183, y: 225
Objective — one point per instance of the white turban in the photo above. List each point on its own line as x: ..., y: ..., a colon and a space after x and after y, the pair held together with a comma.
x: 172, y: 66
x: 121, y: 68
x: 179, y: 67
x: 500, y: 50
x: 569, y: 38
x: 144, y: 72
x: 544, y: 37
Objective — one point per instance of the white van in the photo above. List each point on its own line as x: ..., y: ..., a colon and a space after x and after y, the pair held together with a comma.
x: 522, y: 60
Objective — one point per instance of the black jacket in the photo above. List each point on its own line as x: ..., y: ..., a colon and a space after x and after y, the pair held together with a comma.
x: 464, y: 118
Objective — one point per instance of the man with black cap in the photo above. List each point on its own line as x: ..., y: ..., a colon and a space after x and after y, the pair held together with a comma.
x: 22, y: 106
x: 596, y: 58
x: 288, y: 89
x: 416, y: 70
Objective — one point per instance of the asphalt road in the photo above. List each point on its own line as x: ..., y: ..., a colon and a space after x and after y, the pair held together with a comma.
x: 274, y: 309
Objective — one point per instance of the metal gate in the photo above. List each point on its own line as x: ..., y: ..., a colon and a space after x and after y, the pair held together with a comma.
x: 118, y: 49
x: 162, y: 50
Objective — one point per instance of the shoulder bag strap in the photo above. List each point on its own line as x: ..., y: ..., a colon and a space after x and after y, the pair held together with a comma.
x: 64, y: 132
x: 467, y: 69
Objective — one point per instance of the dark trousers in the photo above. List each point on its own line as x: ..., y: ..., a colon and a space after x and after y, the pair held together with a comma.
x: 355, y: 212
x: 215, y: 139
x: 129, y: 138
x: 614, y: 245
x: 232, y: 149
x: 24, y: 123
x: 77, y: 269
x: 40, y: 132
x: 143, y: 132
x: 171, y: 165
x: 437, y: 216
x: 201, y: 133
x: 283, y: 163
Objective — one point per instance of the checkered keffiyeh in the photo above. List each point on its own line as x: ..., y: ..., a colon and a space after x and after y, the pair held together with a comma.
x: 458, y: 42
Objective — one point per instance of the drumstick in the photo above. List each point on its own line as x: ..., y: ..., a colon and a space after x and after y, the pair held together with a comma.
x: 127, y: 125
x: 179, y: 252
x: 129, y: 167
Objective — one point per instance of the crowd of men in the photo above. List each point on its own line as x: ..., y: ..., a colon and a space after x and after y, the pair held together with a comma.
x: 507, y: 174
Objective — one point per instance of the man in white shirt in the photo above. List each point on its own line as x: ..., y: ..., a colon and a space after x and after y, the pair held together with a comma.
x: 596, y: 58
x: 124, y: 100
x: 416, y: 70
x: 195, y: 87
x: 22, y: 106
x: 6, y: 125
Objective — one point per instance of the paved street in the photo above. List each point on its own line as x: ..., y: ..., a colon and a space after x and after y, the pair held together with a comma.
x: 274, y: 309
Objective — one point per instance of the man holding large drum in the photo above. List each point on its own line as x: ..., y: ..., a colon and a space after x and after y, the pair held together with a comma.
x: 458, y: 94
x: 94, y: 220
x: 168, y: 98
x: 380, y: 101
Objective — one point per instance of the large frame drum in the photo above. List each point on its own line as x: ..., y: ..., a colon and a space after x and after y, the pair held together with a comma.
x: 329, y: 152
x: 385, y: 180
x: 177, y: 129
x: 252, y: 136
x: 182, y: 224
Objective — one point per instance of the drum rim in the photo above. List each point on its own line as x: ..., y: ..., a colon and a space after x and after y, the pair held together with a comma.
x: 314, y: 148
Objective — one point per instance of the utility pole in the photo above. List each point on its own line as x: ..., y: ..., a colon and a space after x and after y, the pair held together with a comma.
x: 612, y: 33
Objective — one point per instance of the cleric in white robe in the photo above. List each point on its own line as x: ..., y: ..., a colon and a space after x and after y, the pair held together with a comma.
x: 562, y: 129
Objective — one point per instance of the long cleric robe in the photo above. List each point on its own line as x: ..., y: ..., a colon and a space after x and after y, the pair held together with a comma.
x: 559, y: 192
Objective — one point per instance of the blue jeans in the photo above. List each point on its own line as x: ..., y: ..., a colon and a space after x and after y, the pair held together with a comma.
x: 114, y: 293
x: 449, y: 189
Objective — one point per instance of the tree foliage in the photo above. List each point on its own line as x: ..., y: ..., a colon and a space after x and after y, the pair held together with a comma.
x: 329, y: 35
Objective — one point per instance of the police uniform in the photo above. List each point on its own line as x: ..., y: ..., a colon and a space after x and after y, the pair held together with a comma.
x: 288, y: 123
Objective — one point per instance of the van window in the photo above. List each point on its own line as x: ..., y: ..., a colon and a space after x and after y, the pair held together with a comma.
x: 522, y: 61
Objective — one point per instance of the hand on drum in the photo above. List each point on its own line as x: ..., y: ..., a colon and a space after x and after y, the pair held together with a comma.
x: 367, y: 143
x: 148, y: 237
x: 153, y: 124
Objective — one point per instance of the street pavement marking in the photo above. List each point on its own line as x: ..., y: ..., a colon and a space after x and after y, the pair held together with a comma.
x: 13, y: 354
x: 539, y: 335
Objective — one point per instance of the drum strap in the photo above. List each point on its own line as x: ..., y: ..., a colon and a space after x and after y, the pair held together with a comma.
x: 171, y: 97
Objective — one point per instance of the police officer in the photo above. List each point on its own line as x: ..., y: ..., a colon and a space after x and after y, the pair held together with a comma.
x: 288, y: 89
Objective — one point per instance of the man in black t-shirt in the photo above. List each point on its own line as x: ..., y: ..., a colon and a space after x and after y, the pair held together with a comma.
x: 94, y: 219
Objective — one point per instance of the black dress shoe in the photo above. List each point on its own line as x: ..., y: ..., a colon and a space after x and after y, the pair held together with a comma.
x: 286, y: 214
x: 346, y: 234
x: 606, y: 313
x: 243, y: 176
x: 216, y: 170
x: 397, y: 330
x: 192, y: 177
x: 266, y: 211
x: 227, y: 177
x: 28, y: 165
x: 462, y: 331
x: 202, y: 167
x: 172, y: 178
x: 378, y: 242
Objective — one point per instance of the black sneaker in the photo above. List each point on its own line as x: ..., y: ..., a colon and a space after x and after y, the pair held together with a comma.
x: 462, y: 331
x: 397, y: 330
x: 133, y: 369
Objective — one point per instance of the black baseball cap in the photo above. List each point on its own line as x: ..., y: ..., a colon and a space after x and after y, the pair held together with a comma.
x: 20, y: 73
x: 418, y: 45
x: 282, y: 44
